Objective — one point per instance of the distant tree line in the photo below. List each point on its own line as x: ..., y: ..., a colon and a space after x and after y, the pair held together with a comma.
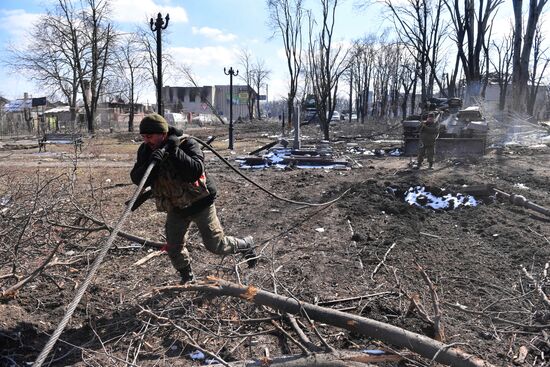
x: 387, y: 73
x: 75, y: 50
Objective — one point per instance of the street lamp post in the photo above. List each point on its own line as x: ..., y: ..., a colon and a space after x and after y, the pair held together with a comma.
x: 231, y: 74
x: 158, y: 26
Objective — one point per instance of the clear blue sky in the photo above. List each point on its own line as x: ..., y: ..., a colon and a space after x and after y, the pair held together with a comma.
x: 206, y: 34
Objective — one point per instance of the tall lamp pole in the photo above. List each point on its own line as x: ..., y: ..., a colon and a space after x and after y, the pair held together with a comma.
x: 231, y: 74
x: 158, y: 26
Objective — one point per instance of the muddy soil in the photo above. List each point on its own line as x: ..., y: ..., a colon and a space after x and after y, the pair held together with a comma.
x: 369, y: 243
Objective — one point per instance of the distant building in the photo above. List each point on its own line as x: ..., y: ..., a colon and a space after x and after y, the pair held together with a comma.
x: 195, y: 100
x: 23, y: 115
x: 115, y: 115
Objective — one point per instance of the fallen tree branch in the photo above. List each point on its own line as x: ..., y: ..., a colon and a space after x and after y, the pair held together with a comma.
x: 190, y: 341
x: 496, y: 319
x: 10, y: 292
x: 144, y: 259
x: 305, y: 339
x: 123, y: 234
x: 383, y: 260
x: 335, y: 359
x: 537, y: 285
x: 439, y: 331
x: 417, y: 343
x: 357, y: 298
x: 291, y: 338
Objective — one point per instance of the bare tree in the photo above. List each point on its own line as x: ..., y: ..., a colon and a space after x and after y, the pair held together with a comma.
x: 418, y: 25
x: 286, y: 18
x: 407, y: 78
x: 247, y: 75
x: 523, y: 44
x: 362, y: 60
x: 129, y: 72
x: 502, y: 68
x: 536, y: 75
x: 50, y: 57
x: 91, y: 37
x: 259, y: 77
x: 472, y: 36
x: 326, y: 62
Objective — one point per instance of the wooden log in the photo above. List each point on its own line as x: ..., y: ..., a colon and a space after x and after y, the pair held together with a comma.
x: 335, y: 359
x: 267, y: 146
x: 387, y: 333
x: 253, y: 161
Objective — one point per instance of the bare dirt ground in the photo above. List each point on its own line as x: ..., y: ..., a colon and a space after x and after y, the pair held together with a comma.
x: 367, y: 246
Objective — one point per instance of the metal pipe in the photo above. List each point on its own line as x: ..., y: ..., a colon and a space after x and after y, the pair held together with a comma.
x: 522, y: 201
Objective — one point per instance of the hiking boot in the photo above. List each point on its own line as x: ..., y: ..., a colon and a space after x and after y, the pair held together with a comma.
x: 186, y: 275
x: 246, y: 247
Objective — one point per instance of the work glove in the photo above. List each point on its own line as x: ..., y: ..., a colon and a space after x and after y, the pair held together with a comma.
x: 172, y: 142
x: 158, y: 155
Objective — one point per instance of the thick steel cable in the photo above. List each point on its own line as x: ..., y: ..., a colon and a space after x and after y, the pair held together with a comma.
x: 99, y: 259
x: 95, y: 266
x: 206, y: 145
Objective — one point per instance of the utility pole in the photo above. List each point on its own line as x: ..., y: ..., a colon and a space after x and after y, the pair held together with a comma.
x: 231, y: 74
x: 158, y: 26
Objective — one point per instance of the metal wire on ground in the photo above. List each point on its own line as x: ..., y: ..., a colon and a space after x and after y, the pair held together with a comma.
x: 206, y: 145
x: 99, y: 259
x: 95, y: 266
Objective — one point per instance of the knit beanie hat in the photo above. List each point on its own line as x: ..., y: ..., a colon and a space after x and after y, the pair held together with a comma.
x: 153, y: 124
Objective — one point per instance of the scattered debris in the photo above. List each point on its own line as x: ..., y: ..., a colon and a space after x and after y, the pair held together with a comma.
x: 281, y: 157
x: 353, y: 148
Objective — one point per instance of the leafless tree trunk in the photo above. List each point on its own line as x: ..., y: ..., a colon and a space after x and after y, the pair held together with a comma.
x: 91, y: 39
x: 247, y: 75
x: 259, y: 76
x: 418, y: 25
x: 523, y: 44
x: 98, y: 34
x: 362, y: 59
x: 471, y: 34
x: 326, y: 64
x: 536, y: 75
x: 129, y: 73
x: 502, y: 68
x: 286, y: 18
x: 420, y: 344
x: 50, y: 58
x: 407, y: 80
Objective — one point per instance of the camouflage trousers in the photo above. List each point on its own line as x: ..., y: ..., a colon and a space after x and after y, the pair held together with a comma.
x: 210, y: 229
x: 426, y: 150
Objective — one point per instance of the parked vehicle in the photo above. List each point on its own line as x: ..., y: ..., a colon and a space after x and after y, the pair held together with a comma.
x: 335, y: 116
x: 461, y: 133
x: 309, y: 110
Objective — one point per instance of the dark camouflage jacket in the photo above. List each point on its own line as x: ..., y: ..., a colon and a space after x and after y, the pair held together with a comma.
x: 178, y: 182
